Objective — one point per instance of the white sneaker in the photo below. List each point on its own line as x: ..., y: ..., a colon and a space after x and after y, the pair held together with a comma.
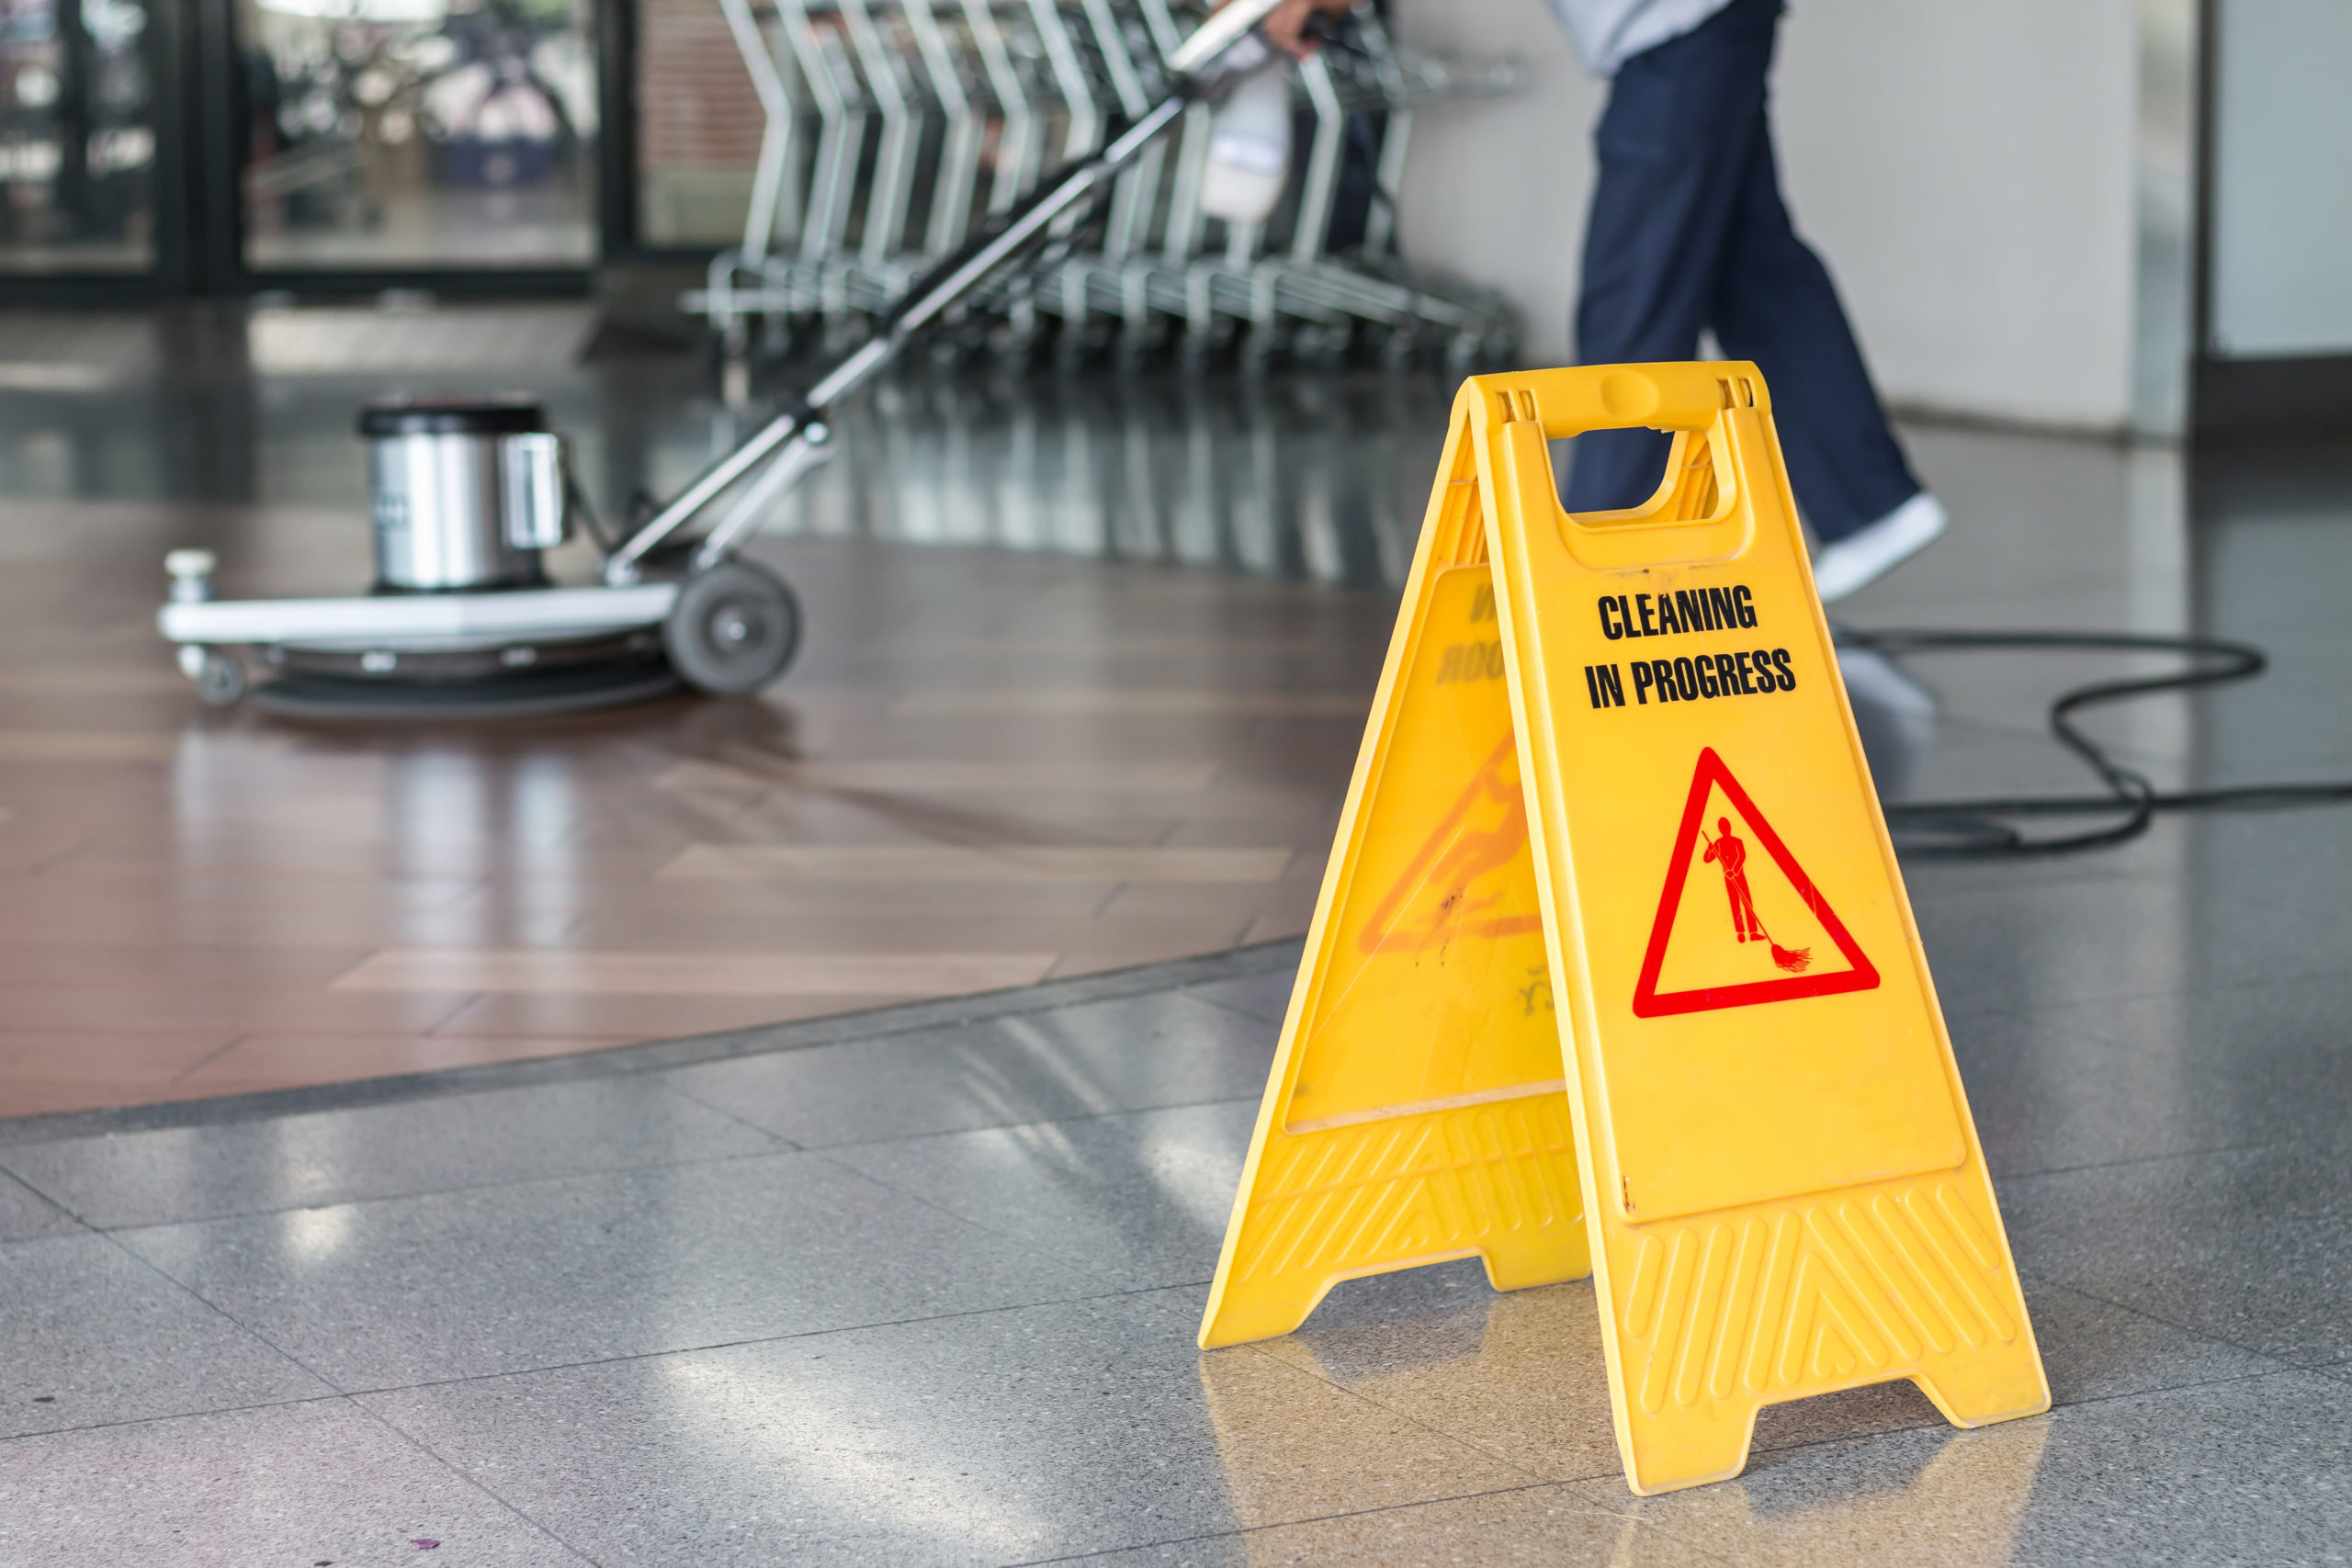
x: 1869, y: 553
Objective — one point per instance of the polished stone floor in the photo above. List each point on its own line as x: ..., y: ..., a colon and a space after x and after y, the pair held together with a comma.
x: 919, y: 1285
x: 1085, y: 667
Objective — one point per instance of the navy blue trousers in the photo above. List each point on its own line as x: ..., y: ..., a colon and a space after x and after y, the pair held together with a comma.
x: 1688, y: 232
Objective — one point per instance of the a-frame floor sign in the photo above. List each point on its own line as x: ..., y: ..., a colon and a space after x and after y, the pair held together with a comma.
x: 1612, y: 970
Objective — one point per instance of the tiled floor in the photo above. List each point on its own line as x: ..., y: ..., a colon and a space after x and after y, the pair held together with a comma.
x: 195, y: 903
x: 1122, y: 738
x: 921, y: 1288
x: 920, y: 1285
x: 989, y: 766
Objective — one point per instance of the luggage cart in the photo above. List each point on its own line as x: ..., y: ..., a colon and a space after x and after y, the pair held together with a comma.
x: 467, y: 496
x: 845, y: 96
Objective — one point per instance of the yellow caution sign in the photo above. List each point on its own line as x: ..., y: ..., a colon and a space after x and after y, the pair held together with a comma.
x: 1612, y: 969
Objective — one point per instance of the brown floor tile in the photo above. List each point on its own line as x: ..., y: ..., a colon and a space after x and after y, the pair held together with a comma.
x: 907, y: 822
x: 995, y: 863
x: 1141, y: 907
x: 940, y: 776
x: 226, y: 966
x: 687, y: 901
x: 145, y: 923
x: 270, y: 1059
x: 551, y: 971
x: 153, y: 678
x: 142, y: 1008
x: 205, y: 884
x: 63, y: 1070
x: 642, y: 1018
x: 88, y: 745
x: 810, y: 926
x: 174, y: 880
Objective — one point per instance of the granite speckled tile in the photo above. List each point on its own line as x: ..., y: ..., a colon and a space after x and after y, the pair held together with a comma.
x: 1520, y: 1373
x: 995, y: 1438
x: 2253, y: 1246
x: 2048, y: 945
x: 1144, y: 1194
x: 315, y: 1483
x: 27, y: 1215
x: 1265, y: 998
x: 2061, y: 1089
x: 1085, y: 1060
x: 1530, y: 1527
x: 575, y: 1268
x: 2246, y: 1471
x: 173, y: 1174
x: 90, y: 1335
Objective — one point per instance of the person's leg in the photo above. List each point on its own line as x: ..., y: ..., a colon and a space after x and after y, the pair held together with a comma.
x: 1775, y: 304
x: 1673, y: 147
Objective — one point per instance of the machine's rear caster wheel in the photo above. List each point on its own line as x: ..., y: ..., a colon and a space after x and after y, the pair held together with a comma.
x: 733, y: 629
x: 221, y: 681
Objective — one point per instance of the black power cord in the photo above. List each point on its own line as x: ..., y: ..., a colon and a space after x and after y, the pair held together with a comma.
x: 1952, y: 829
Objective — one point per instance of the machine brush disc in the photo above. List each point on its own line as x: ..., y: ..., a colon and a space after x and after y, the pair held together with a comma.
x: 519, y: 693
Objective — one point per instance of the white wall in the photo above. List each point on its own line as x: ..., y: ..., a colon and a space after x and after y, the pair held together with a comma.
x: 1496, y: 190
x: 1967, y: 170
x: 2282, y: 147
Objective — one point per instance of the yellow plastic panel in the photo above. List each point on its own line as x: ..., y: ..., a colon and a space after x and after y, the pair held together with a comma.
x: 1416, y: 1109
x: 1783, y: 1185
x: 1437, y: 994
x: 1786, y: 1190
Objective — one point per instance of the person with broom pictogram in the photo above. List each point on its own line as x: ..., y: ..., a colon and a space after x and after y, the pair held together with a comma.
x: 1731, y: 852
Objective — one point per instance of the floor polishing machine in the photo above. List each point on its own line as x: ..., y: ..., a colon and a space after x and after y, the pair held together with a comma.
x: 469, y: 496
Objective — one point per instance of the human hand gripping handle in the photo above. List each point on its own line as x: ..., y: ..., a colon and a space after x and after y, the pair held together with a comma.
x: 1285, y: 24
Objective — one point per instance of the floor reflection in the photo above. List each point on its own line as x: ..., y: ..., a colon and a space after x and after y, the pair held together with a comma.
x: 1932, y: 1497
x: 1894, y: 714
x: 1309, y: 477
x: 1518, y: 1378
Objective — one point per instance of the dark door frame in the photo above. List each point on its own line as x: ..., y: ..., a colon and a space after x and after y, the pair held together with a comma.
x: 221, y: 271
x: 175, y: 216
x: 198, y: 105
x: 2233, y: 397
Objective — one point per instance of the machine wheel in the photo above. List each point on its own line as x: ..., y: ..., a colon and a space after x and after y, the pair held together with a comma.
x: 221, y: 681
x: 733, y: 629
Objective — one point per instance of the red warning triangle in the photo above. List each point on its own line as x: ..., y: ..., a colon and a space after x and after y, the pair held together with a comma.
x: 1743, y: 933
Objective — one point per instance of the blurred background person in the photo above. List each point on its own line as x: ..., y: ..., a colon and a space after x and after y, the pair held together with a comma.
x: 1688, y: 232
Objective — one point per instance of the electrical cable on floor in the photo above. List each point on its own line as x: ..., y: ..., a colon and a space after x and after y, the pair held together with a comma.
x: 1954, y: 828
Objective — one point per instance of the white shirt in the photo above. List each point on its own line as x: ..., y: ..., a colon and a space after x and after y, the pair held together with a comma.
x: 1609, y: 32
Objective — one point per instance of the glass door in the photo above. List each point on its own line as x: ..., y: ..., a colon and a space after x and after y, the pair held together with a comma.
x: 78, y: 123
x: 400, y: 136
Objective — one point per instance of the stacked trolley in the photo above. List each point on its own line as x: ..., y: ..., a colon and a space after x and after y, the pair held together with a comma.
x: 895, y: 126
x: 463, y: 621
